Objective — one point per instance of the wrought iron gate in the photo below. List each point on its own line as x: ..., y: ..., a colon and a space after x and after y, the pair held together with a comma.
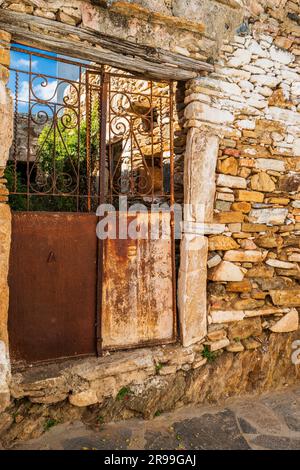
x: 90, y: 137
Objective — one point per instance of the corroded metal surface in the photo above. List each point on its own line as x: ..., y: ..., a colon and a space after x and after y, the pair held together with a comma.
x: 138, y: 304
x: 52, y: 283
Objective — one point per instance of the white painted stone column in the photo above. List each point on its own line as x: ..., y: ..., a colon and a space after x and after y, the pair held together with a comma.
x: 6, y: 126
x: 205, y: 123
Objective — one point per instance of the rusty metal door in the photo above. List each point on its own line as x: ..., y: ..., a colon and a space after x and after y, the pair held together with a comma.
x: 81, y: 142
x: 137, y: 293
x: 138, y: 302
x: 52, y: 282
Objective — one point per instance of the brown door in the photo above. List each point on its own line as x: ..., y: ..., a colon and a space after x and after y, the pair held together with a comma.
x: 52, y: 284
x: 138, y: 306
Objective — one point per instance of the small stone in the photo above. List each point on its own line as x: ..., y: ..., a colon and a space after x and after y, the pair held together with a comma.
x: 226, y: 316
x: 231, y: 181
x: 233, y: 228
x: 243, y: 286
x: 288, y: 323
x: 64, y: 18
x: 234, y: 347
x: 248, y: 304
x: 219, y: 344
x: 251, y: 256
x: 226, y: 271
x: 229, y: 217
x: 279, y: 99
x: 288, y: 298
x: 242, y: 206
x: 283, y: 42
x: 262, y: 312
x: 199, y: 363
x: 260, y: 271
x: 250, y: 196
x: 269, y: 164
x: 281, y: 56
x: 269, y: 241
x: 214, y: 261
x: 225, y: 197
x: 229, y: 166
x: 274, y: 216
x: 251, y: 228
x: 251, y: 343
x: 247, y: 245
x: 262, y: 182
x: 294, y: 257
x: 216, y: 335
x: 245, y: 328
x: 240, y: 57
x: 221, y: 243
x: 282, y: 201
x: 44, y: 14
x: 265, y: 80
x: 85, y: 398
x: 276, y: 263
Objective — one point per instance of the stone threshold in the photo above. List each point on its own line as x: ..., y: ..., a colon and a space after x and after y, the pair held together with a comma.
x: 89, y: 380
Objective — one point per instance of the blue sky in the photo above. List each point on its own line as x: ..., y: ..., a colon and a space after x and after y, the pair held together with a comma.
x: 40, y: 65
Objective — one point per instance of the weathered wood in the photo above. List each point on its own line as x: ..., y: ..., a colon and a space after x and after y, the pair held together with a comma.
x: 55, y: 36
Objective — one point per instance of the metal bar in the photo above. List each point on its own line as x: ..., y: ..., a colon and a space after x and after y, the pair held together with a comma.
x: 88, y: 139
x: 152, y: 146
x: 78, y: 140
x: 100, y: 247
x: 28, y: 136
x: 172, y: 199
x: 16, y: 129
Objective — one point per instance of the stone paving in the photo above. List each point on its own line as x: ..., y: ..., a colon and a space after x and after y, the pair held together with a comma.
x: 271, y: 421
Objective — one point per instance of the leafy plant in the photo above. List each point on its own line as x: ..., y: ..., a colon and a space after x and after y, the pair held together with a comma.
x: 209, y: 355
x: 49, y: 423
x: 123, y: 394
x: 158, y: 367
x: 100, y: 419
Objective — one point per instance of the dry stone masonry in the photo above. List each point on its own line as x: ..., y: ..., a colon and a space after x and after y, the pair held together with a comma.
x: 237, y: 146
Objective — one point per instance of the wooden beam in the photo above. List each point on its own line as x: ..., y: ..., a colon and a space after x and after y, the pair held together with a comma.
x: 59, y: 37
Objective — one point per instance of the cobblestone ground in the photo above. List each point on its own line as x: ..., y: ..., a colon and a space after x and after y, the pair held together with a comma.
x: 271, y: 421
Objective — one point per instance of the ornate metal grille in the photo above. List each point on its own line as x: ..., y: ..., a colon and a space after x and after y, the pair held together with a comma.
x: 139, y: 138
x: 85, y: 134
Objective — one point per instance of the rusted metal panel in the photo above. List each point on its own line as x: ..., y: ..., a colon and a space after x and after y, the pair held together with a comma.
x: 52, y: 283
x: 137, y: 302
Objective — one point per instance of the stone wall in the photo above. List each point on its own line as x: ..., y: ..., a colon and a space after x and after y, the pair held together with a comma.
x: 253, y: 102
x: 176, y: 25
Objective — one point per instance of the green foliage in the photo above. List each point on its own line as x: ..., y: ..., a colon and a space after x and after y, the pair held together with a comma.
x: 100, y: 419
x: 158, y: 367
x: 61, y: 151
x: 123, y: 394
x: 209, y: 355
x: 49, y: 423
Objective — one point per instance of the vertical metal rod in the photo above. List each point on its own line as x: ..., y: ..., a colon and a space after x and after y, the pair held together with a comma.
x: 171, y: 108
x: 161, y: 145
x: 100, y: 247
x: 55, y: 124
x: 152, y: 146
x: 111, y: 163
x: 88, y: 139
x: 28, y: 133
x: 78, y: 139
x: 16, y: 131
